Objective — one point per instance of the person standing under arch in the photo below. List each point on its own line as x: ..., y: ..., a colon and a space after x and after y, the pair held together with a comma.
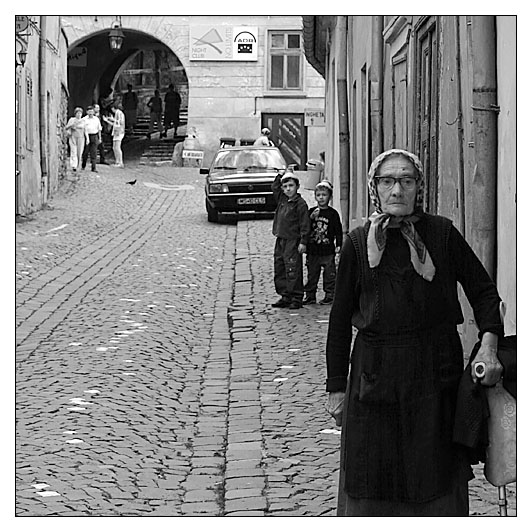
x: 156, y: 110
x: 130, y: 102
x: 118, y: 121
x: 172, y: 104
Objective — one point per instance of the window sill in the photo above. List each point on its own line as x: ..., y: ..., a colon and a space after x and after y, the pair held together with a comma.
x: 282, y: 93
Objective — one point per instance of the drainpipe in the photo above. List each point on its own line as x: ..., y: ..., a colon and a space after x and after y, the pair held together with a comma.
x: 485, y: 110
x: 343, y: 118
x: 43, y: 141
x: 460, y: 126
x: 376, y: 83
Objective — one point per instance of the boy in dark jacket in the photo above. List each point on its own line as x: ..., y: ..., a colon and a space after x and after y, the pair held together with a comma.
x: 291, y: 226
x: 325, y: 241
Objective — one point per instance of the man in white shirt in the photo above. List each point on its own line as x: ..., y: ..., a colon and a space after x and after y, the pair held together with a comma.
x: 93, y: 131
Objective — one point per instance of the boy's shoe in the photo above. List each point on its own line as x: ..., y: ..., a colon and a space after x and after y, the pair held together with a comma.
x: 327, y: 300
x: 309, y: 300
x: 295, y: 304
x: 282, y: 303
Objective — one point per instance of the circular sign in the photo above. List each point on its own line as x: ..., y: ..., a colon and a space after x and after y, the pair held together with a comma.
x: 21, y: 23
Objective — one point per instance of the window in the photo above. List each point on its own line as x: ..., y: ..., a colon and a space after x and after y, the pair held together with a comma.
x: 285, y: 60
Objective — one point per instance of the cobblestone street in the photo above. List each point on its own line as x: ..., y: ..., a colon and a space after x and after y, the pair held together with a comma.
x: 153, y: 378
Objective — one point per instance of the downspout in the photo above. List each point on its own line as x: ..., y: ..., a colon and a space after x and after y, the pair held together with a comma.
x: 43, y: 141
x: 376, y: 83
x: 343, y: 118
x: 485, y: 111
x: 461, y: 162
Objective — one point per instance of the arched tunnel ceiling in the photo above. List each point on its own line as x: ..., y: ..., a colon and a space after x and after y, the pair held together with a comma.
x: 133, y: 41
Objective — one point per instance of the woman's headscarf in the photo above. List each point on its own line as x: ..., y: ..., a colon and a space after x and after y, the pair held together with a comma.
x: 419, y: 255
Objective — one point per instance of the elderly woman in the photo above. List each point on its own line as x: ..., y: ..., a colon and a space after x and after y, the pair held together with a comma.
x: 75, y: 130
x: 395, y: 396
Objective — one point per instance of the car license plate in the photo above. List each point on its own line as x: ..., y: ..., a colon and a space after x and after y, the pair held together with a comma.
x: 251, y: 201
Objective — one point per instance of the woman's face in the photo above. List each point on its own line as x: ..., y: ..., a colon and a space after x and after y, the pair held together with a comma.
x: 79, y: 114
x: 397, y: 200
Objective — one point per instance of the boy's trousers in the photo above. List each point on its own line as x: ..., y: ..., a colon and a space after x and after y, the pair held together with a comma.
x: 288, y: 269
x: 314, y: 265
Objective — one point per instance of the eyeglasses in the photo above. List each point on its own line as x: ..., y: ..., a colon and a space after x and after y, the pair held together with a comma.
x: 407, y: 183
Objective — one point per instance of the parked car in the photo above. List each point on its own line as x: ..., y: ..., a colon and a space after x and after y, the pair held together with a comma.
x: 240, y: 179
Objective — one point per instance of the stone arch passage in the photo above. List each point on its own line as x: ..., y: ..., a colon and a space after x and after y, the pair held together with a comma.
x: 96, y: 74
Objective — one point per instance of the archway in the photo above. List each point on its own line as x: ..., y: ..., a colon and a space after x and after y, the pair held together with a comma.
x: 96, y: 74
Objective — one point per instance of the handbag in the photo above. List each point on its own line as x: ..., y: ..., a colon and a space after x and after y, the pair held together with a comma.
x: 500, y: 466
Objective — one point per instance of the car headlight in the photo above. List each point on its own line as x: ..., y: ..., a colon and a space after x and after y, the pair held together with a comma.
x: 218, y: 189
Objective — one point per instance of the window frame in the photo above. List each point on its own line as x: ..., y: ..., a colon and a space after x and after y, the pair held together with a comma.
x: 284, y: 52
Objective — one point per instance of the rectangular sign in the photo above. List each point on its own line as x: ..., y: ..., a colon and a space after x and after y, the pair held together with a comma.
x: 192, y: 154
x: 77, y: 57
x: 223, y: 43
x: 314, y: 117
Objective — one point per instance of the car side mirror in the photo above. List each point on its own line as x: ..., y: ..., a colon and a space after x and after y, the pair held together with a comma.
x: 203, y: 170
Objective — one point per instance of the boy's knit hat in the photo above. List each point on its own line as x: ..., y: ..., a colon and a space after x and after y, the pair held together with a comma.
x: 324, y: 184
x: 289, y: 175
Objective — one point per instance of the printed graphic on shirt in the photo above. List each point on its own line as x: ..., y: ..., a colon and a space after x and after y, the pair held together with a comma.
x: 319, y: 231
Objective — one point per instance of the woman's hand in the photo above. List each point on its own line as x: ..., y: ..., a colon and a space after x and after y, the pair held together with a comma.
x: 487, y: 356
x: 302, y: 248
x: 335, y: 406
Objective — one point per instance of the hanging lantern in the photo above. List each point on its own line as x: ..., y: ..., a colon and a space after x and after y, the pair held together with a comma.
x: 116, y: 37
x: 22, y: 52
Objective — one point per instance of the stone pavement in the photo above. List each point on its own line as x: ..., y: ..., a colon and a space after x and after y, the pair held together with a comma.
x: 153, y: 376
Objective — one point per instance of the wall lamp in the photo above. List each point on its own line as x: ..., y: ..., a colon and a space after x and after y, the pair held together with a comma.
x: 21, y: 52
x: 22, y: 31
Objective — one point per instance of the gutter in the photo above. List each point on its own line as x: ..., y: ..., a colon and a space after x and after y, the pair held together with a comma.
x: 485, y: 121
x: 376, y: 82
x: 309, y: 44
x: 43, y: 118
x: 343, y: 119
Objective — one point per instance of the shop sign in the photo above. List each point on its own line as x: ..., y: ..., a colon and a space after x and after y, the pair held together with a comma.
x: 77, y: 57
x: 223, y: 43
x: 22, y: 23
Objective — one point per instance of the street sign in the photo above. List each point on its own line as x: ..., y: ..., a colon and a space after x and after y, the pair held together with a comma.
x: 192, y: 154
x: 314, y: 117
x: 21, y: 23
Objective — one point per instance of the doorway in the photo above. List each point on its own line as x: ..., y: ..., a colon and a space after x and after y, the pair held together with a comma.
x: 289, y: 134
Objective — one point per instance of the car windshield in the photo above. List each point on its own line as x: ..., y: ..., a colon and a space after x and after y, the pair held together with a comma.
x: 248, y: 160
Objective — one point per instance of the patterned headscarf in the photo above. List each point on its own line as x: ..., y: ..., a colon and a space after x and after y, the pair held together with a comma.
x: 419, y: 255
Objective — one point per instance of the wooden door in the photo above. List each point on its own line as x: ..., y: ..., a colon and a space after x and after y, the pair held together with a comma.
x: 289, y: 134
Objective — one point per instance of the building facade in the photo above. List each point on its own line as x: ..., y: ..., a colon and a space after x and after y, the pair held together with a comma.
x: 235, y: 74
x: 443, y: 87
x: 41, y: 100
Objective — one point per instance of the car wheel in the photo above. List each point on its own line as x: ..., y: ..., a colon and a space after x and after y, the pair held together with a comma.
x: 212, y: 214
